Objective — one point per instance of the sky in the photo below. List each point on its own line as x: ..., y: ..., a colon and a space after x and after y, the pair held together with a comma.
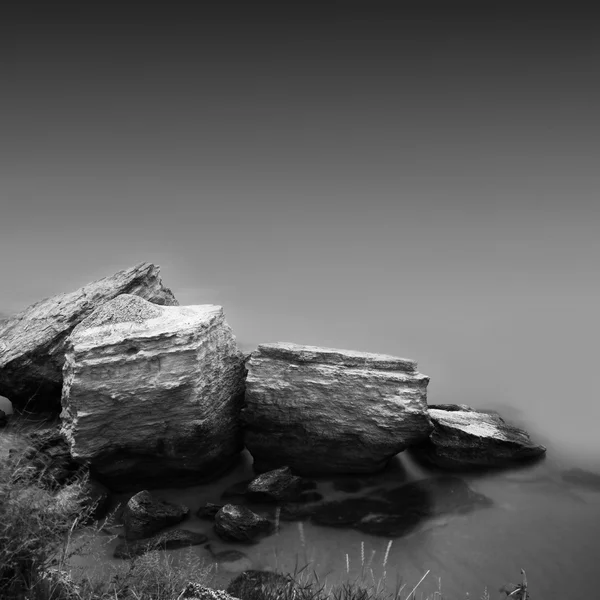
x: 419, y: 180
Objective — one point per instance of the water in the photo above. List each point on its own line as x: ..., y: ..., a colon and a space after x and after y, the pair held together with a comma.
x: 537, y: 522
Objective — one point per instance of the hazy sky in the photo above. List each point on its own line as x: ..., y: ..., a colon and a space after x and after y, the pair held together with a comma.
x: 422, y: 182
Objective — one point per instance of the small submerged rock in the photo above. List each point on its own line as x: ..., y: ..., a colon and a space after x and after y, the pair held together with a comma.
x: 582, y: 478
x: 232, y: 561
x: 393, y: 512
x: 145, y: 515
x: 464, y: 438
x: 240, y: 524
x: 166, y: 540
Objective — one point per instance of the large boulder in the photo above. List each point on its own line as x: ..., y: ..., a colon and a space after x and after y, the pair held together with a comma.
x: 464, y: 438
x: 321, y: 411
x: 145, y: 515
x: 32, y: 342
x: 152, y: 394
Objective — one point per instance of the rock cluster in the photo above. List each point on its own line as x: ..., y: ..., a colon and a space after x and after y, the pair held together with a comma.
x: 32, y: 342
x: 320, y: 410
x: 151, y: 393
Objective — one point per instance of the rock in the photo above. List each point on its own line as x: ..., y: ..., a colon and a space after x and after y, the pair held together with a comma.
x: 195, y: 591
x: 393, y: 512
x: 232, y: 561
x: 145, y: 515
x: 236, y: 490
x: 209, y: 511
x: 166, y: 540
x: 3, y: 419
x: 98, y: 497
x: 258, y: 585
x: 582, y: 478
x: 47, y: 458
x: 32, y: 343
x: 278, y: 485
x: 466, y: 439
x: 240, y: 524
x: 152, y: 394
x: 325, y: 411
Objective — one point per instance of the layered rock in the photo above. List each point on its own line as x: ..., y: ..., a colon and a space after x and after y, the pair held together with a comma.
x: 32, y: 342
x: 464, y: 438
x: 152, y: 393
x: 321, y: 410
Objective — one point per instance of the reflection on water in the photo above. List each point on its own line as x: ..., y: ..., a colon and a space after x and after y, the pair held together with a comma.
x: 538, y: 522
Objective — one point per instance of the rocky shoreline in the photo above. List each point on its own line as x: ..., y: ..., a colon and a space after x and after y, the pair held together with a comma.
x: 153, y: 394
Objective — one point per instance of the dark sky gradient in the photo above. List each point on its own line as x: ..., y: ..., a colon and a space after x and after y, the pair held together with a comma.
x: 421, y: 181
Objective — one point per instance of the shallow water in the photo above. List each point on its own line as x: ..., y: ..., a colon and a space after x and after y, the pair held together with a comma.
x: 537, y: 522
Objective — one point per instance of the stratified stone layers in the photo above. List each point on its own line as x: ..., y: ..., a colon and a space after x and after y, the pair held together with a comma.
x: 32, y: 343
x: 464, y: 438
x: 320, y: 410
x: 152, y: 394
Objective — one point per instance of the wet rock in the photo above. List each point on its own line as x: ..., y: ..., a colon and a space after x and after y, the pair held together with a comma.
x: 145, y: 515
x: 166, y: 540
x: 240, y: 524
x: 232, y: 561
x: 32, y: 343
x: 208, y: 511
x: 152, y: 394
x: 323, y: 411
x: 258, y: 585
x: 279, y: 485
x: 467, y: 439
x: 196, y: 591
x: 582, y: 478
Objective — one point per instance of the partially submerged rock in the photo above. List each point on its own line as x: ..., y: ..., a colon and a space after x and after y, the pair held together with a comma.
x: 32, y: 342
x: 240, y: 524
x: 152, y: 393
x: 393, y: 512
x: 582, y: 478
x: 166, y: 540
x: 320, y: 410
x: 465, y: 439
x: 145, y: 515
x: 279, y: 485
x: 208, y: 511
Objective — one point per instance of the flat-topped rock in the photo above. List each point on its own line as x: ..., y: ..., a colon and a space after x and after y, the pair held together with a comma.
x: 322, y: 410
x: 152, y: 394
x: 465, y: 438
x: 330, y: 356
x: 33, y: 342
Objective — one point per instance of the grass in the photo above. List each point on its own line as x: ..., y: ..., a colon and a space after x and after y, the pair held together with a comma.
x: 42, y: 530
